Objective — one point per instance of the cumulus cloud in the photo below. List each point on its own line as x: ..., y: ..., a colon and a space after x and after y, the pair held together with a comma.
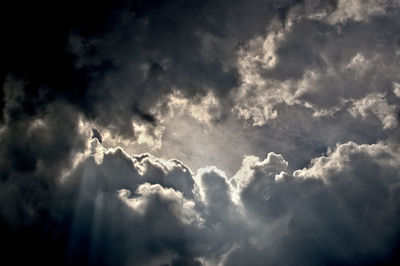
x: 283, y: 116
x: 326, y: 70
x: 357, y: 10
x: 183, y: 48
x: 142, y: 210
x: 376, y: 104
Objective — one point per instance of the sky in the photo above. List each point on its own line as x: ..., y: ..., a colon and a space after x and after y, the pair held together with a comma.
x: 200, y: 132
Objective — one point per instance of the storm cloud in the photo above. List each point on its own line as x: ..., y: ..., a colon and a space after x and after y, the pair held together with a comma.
x: 200, y: 132
x: 118, y: 209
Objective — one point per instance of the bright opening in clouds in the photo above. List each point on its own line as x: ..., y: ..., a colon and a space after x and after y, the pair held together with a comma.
x: 210, y: 132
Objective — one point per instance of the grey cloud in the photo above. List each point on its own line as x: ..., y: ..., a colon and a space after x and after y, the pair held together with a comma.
x: 336, y: 212
x: 122, y: 210
x: 305, y: 72
x: 180, y: 46
x: 320, y: 64
x: 295, y: 133
x: 35, y: 152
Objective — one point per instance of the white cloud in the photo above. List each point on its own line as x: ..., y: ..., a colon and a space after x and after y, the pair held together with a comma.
x: 259, y: 207
x: 396, y: 89
x: 357, y: 10
x: 376, y: 104
x: 159, y: 211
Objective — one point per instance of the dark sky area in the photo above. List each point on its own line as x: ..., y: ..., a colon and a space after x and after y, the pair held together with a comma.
x: 200, y: 132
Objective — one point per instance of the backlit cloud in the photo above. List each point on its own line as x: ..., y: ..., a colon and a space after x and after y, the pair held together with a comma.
x: 182, y: 132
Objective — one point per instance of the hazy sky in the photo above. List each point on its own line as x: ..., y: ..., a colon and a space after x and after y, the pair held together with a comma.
x: 200, y: 132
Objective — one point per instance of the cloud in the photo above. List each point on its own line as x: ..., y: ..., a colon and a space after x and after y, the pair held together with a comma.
x: 335, y: 209
x: 359, y: 10
x: 287, y: 112
x: 132, y: 55
x: 376, y: 104
x: 335, y: 64
x: 142, y: 210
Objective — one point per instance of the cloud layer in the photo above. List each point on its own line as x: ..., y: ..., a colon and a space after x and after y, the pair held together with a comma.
x: 283, y: 117
x: 122, y: 210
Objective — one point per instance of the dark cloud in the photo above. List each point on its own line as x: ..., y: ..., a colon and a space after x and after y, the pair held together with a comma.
x: 325, y: 60
x: 334, y: 215
x: 126, y: 56
x: 96, y: 135
x: 214, y: 81
x: 35, y: 47
x: 141, y: 210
